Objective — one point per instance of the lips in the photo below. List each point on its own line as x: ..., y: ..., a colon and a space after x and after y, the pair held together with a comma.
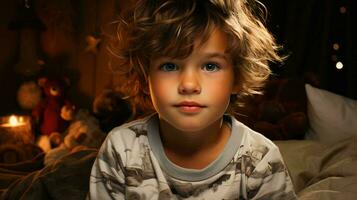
x: 189, y: 106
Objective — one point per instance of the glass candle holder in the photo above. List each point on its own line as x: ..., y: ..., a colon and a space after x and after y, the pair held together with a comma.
x: 16, y: 129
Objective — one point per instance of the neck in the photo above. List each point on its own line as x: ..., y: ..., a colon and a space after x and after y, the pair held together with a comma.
x: 194, y: 149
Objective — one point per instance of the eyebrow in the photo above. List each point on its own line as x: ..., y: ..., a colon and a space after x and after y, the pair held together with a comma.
x: 216, y: 55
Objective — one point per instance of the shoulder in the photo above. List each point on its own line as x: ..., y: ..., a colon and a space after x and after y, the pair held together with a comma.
x: 262, y: 165
x: 251, y: 137
x: 126, y: 135
x: 136, y: 128
x: 254, y: 143
x: 125, y: 143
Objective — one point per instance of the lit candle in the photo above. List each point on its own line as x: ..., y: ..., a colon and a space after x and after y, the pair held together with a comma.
x: 14, y: 121
x: 17, y: 128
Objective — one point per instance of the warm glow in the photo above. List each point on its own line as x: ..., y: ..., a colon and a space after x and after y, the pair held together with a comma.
x: 343, y: 9
x: 17, y: 127
x: 339, y: 65
x: 336, y: 46
x: 13, y: 121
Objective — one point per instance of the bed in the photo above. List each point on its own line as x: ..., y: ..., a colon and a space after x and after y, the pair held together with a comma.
x: 320, y: 171
x: 323, y: 166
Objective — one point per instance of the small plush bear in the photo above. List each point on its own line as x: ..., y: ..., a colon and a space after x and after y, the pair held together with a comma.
x: 279, y: 114
x: 54, y: 111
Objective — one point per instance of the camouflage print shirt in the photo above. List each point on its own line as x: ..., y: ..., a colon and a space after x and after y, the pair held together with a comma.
x: 131, y: 164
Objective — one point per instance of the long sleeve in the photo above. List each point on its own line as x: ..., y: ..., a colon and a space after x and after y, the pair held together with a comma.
x: 107, y: 177
x: 268, y: 178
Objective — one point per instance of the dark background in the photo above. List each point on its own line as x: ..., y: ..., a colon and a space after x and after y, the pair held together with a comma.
x: 307, y: 30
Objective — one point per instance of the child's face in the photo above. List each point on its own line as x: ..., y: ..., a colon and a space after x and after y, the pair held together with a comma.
x: 194, y: 92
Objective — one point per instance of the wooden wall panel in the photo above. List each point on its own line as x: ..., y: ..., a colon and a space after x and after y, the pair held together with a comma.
x: 8, y: 57
x: 63, y: 45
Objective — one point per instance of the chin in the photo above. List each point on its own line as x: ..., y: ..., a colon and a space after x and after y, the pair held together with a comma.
x: 191, y: 124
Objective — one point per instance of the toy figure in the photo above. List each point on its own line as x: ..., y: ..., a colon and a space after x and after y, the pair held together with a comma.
x: 54, y: 111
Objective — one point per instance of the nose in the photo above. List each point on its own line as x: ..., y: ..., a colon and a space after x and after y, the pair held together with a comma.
x: 189, y: 83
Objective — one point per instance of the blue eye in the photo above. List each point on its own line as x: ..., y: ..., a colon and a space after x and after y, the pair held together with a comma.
x: 211, y: 67
x: 168, y: 67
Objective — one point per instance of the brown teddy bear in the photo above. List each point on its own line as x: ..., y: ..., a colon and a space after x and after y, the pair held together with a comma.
x: 280, y: 113
x: 111, y: 109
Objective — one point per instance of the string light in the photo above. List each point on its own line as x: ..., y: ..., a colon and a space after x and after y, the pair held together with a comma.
x: 336, y: 46
x: 339, y: 65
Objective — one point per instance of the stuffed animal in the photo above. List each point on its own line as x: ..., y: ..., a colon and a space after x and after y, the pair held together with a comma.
x: 280, y: 113
x: 29, y: 95
x: 54, y: 111
x: 111, y: 109
x: 83, y: 132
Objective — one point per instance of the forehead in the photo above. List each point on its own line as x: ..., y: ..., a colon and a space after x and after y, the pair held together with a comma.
x: 216, y: 41
x: 213, y: 42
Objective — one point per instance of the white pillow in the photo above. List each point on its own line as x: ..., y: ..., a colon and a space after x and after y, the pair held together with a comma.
x: 332, y: 117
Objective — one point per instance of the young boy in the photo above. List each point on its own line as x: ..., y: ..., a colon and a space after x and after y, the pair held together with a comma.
x: 188, y: 60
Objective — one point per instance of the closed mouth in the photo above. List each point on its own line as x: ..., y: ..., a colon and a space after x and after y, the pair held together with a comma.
x: 189, y: 104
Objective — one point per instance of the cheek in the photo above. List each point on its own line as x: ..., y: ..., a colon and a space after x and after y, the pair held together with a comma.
x: 221, y: 89
x: 160, y: 90
x: 221, y: 94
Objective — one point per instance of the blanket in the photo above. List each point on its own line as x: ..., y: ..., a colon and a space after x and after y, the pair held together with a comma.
x: 322, y: 171
x: 318, y: 171
x: 66, y: 179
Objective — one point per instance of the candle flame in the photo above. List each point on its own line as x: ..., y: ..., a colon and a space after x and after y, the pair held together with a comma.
x: 13, y: 121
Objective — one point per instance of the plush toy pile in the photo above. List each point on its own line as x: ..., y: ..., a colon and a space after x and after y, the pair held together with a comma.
x: 280, y: 113
x: 84, y: 132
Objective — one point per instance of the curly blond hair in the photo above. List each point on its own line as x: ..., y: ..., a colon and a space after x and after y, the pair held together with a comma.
x: 169, y: 27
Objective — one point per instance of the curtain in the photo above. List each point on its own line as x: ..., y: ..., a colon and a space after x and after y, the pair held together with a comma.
x: 308, y: 30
